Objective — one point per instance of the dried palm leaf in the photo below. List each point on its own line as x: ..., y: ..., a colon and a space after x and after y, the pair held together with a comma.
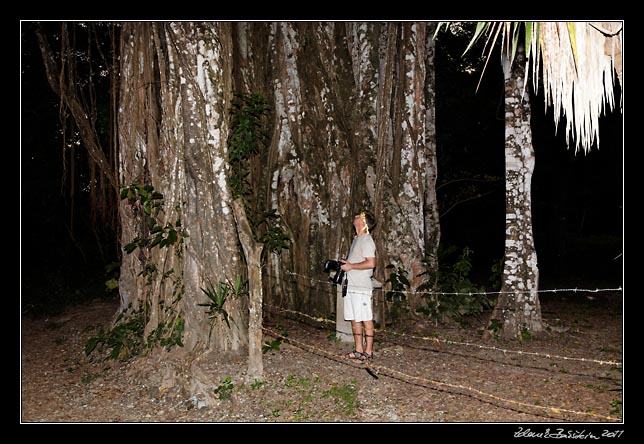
x: 577, y: 61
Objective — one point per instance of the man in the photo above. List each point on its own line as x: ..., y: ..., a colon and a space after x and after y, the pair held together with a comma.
x: 357, y: 302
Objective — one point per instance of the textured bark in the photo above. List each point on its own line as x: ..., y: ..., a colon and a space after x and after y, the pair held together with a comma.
x: 175, y: 90
x: 353, y: 128
x: 253, y: 252
x: 518, y: 309
x: 432, y: 221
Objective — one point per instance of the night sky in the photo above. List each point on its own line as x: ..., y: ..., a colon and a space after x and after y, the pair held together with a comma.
x: 577, y: 198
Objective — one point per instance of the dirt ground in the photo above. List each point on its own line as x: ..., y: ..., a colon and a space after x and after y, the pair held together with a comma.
x: 434, y: 374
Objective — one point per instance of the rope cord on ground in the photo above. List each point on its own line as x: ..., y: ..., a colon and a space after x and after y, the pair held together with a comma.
x: 379, y: 369
x: 451, y: 342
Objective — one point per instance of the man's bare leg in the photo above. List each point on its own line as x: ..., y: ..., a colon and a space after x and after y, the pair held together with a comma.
x: 356, y: 327
x: 369, y: 333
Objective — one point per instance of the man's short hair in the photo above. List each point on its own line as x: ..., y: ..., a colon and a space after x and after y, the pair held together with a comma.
x: 369, y: 219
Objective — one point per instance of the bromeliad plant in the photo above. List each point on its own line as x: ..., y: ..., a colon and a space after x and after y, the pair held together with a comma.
x: 219, y: 295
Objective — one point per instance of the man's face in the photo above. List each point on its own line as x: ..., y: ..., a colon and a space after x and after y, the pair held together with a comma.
x: 358, y: 223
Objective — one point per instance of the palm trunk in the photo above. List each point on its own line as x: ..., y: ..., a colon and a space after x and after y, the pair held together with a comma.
x: 517, y: 311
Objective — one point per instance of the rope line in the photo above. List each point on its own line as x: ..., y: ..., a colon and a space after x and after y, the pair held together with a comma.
x: 448, y: 341
x: 379, y: 369
x: 471, y: 293
x: 506, y: 351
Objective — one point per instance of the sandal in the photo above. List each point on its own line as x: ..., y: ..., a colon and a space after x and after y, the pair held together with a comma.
x: 355, y: 354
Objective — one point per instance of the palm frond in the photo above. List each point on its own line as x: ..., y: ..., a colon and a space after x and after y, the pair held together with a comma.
x: 578, y: 76
x: 577, y: 63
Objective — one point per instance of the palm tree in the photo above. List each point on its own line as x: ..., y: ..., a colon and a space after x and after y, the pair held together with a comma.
x: 577, y: 63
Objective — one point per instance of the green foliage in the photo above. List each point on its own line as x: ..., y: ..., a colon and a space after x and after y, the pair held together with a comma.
x: 271, y: 345
x: 275, y: 343
x: 225, y: 390
x: 168, y: 337
x: 151, y: 203
x: 268, y: 228
x: 112, y: 273
x: 218, y: 297
x: 448, y: 292
x: 247, y: 137
x: 495, y: 328
x: 616, y: 408
x: 397, y: 293
x: 345, y: 397
x: 525, y: 333
x: 294, y: 381
x: 124, y: 340
x: 496, y: 278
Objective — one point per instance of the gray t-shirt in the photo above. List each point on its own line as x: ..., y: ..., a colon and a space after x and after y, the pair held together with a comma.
x: 362, y: 247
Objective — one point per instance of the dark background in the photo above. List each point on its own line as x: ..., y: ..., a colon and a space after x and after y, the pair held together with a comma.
x: 577, y: 198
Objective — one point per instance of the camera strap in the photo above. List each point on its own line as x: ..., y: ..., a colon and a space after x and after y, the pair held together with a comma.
x: 344, y: 287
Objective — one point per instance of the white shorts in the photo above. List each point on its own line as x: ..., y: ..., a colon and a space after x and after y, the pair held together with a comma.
x: 358, y: 306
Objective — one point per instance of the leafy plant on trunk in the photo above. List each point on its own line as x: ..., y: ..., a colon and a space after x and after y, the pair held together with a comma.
x: 448, y: 292
x: 125, y: 338
x: 169, y: 331
x: 396, y: 296
x: 218, y: 296
x: 151, y: 202
x: 247, y: 137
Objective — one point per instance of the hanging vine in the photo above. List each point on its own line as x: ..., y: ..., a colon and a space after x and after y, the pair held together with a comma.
x: 83, y: 72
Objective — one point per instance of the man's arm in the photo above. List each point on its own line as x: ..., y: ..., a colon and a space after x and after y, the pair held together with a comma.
x: 366, y: 264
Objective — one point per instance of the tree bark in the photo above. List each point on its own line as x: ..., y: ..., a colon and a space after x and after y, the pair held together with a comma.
x: 432, y: 221
x: 176, y: 87
x: 353, y: 130
x: 517, y: 311
x: 253, y: 253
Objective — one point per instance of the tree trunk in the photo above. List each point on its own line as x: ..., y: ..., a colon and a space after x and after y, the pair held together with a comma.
x: 432, y: 221
x: 353, y: 129
x: 173, y: 123
x: 253, y: 253
x: 65, y: 87
x: 517, y: 311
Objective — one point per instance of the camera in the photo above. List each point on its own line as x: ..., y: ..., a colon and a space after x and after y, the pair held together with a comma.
x: 331, y: 265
